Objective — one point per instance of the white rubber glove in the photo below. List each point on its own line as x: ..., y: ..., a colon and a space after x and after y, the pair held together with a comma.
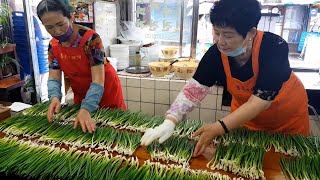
x: 163, y: 132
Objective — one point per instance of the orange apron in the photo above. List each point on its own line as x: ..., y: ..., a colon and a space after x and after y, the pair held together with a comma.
x: 75, y: 64
x: 288, y: 112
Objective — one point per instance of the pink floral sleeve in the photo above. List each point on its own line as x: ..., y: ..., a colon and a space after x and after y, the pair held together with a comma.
x: 191, y: 95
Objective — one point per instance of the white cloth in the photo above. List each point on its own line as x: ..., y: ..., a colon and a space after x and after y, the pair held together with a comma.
x: 18, y: 106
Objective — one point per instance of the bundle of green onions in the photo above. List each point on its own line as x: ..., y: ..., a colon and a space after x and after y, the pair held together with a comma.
x: 187, y: 127
x: 29, y: 159
x: 105, y: 138
x: 117, y: 118
x: 301, y: 168
x: 32, y: 160
x: 293, y: 145
x: 179, y: 172
x: 315, y: 142
x: 247, y: 137
x: 174, y: 149
x: 240, y: 159
x: 37, y: 109
x: 137, y: 121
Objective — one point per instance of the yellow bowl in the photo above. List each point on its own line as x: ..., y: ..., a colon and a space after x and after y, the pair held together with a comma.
x: 185, y: 69
x: 159, y: 69
x: 170, y: 60
x: 170, y: 52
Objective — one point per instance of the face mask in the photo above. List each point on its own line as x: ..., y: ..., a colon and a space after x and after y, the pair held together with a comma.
x: 240, y: 50
x: 66, y: 36
x: 237, y: 52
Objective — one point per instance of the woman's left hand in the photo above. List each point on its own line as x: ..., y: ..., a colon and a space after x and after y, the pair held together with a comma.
x: 207, y: 133
x: 85, y: 121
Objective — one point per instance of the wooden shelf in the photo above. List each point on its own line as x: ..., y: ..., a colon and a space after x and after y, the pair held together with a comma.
x: 11, y: 49
x: 8, y: 48
x: 11, y: 82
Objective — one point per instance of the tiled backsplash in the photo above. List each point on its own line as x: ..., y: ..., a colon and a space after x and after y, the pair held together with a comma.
x: 154, y: 96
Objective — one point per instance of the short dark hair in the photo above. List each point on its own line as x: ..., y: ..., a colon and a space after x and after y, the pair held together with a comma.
x: 242, y: 15
x: 53, y: 6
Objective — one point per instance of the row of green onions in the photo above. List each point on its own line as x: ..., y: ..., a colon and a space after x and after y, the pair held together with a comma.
x: 301, y: 168
x: 117, y: 118
x: 244, y: 136
x: 106, y: 138
x: 179, y: 172
x: 174, y: 149
x: 32, y: 160
x: 242, y: 160
x: 292, y: 145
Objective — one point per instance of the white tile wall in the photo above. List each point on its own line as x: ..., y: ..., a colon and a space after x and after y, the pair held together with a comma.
x: 177, y: 85
x: 219, y: 115
x: 226, y: 108
x: 315, y: 127
x: 134, y: 106
x: 133, y: 94
x: 195, y: 114
x: 133, y: 82
x: 147, y: 95
x: 148, y: 83
x: 123, y: 80
x: 173, y: 96
x: 162, y: 84
x: 124, y: 93
x: 214, y: 90
x: 154, y: 96
x: 219, y: 102
x: 162, y: 97
x: 208, y: 115
x: 209, y: 102
x: 147, y: 108
x: 220, y: 90
x: 161, y: 109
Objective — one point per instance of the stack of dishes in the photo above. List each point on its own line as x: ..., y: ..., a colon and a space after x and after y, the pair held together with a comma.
x: 121, y: 53
x: 170, y: 60
x: 169, y: 54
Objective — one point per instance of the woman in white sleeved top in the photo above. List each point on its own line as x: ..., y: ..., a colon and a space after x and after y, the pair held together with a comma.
x: 253, y: 65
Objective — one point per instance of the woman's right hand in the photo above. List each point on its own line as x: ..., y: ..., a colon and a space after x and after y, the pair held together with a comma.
x: 161, y: 132
x: 54, y: 107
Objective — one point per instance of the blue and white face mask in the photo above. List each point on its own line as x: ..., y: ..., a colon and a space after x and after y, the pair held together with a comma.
x: 237, y: 52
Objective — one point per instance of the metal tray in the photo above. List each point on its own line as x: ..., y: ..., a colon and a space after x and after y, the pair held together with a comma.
x: 137, y: 69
